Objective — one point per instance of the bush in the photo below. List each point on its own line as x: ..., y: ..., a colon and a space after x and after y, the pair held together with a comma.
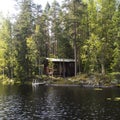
x: 115, y: 77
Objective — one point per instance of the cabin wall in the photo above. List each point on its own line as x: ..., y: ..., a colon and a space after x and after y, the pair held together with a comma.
x: 63, y: 69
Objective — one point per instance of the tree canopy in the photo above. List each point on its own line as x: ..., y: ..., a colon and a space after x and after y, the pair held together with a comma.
x: 85, y: 30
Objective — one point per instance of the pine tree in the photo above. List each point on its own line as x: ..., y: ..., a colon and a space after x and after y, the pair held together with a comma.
x: 55, y: 27
x: 7, y: 47
x: 23, y: 30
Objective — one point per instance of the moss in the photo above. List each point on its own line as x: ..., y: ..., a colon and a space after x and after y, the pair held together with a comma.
x: 8, y: 82
x: 98, y: 89
x: 91, y: 79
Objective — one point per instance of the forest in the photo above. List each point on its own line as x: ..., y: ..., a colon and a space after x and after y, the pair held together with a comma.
x: 85, y: 30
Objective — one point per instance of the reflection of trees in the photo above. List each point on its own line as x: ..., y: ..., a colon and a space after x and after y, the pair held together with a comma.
x: 52, y: 100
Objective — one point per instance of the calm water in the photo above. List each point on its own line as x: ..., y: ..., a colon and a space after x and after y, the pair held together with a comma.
x: 58, y: 103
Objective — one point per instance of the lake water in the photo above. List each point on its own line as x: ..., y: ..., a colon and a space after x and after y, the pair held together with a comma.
x: 58, y: 103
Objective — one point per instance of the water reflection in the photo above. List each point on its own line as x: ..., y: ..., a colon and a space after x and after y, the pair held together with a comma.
x: 58, y: 103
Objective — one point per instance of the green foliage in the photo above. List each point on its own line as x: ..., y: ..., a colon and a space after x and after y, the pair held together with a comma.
x: 23, y: 30
x: 90, y: 54
x: 115, y: 77
x: 87, y: 30
x: 50, y: 64
x: 115, y: 65
x: 6, y: 48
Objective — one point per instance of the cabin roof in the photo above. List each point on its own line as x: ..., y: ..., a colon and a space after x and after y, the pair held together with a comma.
x: 60, y: 60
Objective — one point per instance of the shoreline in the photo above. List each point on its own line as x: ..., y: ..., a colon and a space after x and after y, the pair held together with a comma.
x: 82, y: 80
x: 82, y: 86
x: 86, y: 81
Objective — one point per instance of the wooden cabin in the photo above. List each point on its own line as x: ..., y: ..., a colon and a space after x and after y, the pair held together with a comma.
x: 59, y: 67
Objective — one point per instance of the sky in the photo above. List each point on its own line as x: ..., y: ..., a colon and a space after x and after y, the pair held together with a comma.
x: 7, y: 6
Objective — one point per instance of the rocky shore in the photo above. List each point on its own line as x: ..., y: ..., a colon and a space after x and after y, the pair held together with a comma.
x: 84, y: 80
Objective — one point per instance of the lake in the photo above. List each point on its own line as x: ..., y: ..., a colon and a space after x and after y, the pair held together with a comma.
x: 59, y: 103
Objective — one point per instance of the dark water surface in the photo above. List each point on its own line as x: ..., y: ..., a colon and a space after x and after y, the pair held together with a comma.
x: 58, y: 103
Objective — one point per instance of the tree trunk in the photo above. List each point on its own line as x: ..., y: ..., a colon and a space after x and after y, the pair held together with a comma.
x: 102, y: 69
x: 75, y: 45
